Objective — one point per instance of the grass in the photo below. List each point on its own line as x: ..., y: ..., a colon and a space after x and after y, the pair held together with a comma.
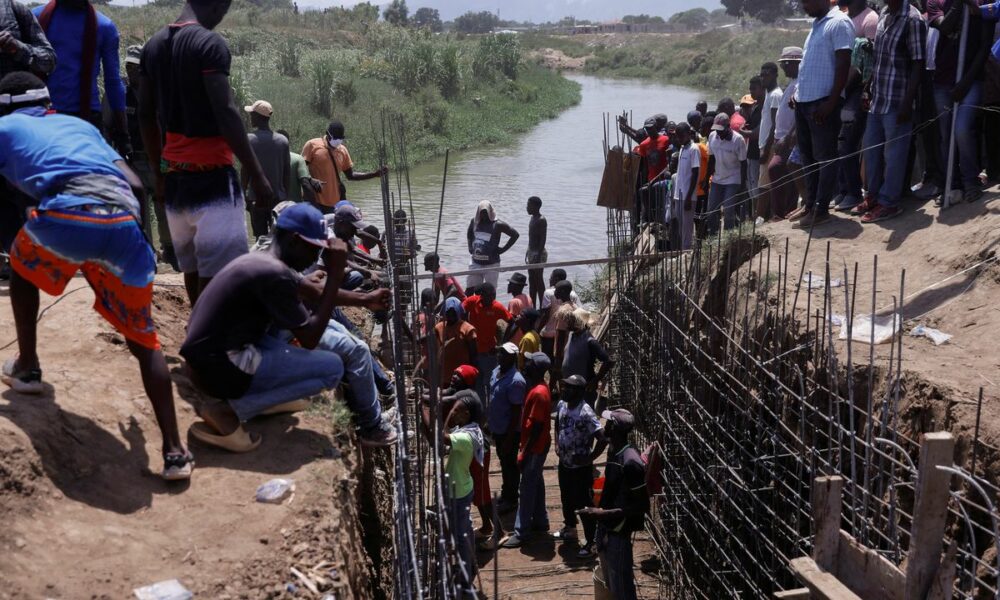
x: 718, y: 61
x: 313, y: 68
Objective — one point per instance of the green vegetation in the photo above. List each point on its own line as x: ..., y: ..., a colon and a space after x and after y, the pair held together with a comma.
x: 453, y: 92
x: 719, y: 60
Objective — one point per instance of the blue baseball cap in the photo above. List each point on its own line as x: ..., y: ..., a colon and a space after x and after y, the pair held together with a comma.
x: 306, y: 221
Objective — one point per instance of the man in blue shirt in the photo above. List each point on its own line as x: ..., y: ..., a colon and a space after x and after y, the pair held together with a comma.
x: 826, y: 61
x: 503, y: 417
x: 89, y: 206
x: 86, y: 42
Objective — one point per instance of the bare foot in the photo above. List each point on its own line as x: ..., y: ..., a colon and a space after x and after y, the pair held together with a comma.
x: 220, y: 417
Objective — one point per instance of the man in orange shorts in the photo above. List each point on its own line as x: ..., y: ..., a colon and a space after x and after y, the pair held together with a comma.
x: 87, y: 219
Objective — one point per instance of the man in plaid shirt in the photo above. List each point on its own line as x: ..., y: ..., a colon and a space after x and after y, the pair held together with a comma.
x: 23, y: 47
x: 900, y: 45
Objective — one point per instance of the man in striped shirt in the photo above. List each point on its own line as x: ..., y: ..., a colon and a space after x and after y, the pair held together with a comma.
x: 900, y: 43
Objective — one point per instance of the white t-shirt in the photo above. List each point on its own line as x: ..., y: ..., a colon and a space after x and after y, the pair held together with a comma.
x: 728, y: 156
x: 689, y: 160
x: 771, y: 101
x: 550, y: 295
x: 785, y: 120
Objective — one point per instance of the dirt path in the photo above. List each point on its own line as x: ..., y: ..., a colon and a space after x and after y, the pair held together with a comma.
x: 84, y: 517
x: 547, y: 568
x: 942, y: 290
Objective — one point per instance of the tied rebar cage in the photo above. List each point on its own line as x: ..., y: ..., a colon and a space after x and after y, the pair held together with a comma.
x: 734, y: 365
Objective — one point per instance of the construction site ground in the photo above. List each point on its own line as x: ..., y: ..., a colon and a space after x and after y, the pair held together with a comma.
x: 546, y: 568
x: 952, y: 283
x: 86, y: 515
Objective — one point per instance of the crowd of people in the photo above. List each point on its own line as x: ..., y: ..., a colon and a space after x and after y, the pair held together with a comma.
x: 863, y: 123
x: 867, y: 101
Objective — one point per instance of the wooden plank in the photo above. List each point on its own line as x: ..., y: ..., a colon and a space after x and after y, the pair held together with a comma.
x: 822, y: 585
x: 866, y: 572
x: 826, y: 494
x: 797, y: 594
x: 944, y: 581
x: 929, y: 513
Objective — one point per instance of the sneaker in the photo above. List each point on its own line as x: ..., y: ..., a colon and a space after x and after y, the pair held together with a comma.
x: 881, y: 213
x: 925, y: 191
x: 865, y: 207
x: 382, y: 435
x: 565, y: 534
x: 512, y: 541
x: 847, y: 203
x: 23, y: 381
x: 177, y: 466
x: 836, y: 200
x: 585, y: 551
x: 487, y: 544
x: 812, y: 219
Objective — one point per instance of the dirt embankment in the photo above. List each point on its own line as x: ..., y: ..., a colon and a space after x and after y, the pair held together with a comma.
x: 84, y: 516
x: 557, y: 60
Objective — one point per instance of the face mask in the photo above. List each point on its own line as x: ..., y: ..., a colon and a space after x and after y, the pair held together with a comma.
x: 335, y: 143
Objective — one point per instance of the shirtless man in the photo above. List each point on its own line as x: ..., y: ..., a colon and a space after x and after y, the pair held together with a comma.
x: 484, y: 245
x: 537, y: 231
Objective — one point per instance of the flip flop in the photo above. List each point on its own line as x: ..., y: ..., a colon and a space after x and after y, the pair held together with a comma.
x: 288, y: 407
x: 237, y: 441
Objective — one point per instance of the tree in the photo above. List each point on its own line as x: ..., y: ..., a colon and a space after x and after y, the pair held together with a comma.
x: 476, y: 22
x: 396, y: 13
x: 695, y: 19
x: 766, y: 11
x: 427, y: 18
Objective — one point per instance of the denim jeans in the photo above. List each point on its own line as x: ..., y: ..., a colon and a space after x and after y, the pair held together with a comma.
x: 576, y: 491
x: 817, y: 143
x: 485, y: 362
x: 966, y: 133
x: 849, y: 167
x: 888, y: 147
x: 287, y: 373
x: 722, y: 196
x: 460, y: 521
x: 531, y: 513
x: 362, y: 398
x: 617, y: 559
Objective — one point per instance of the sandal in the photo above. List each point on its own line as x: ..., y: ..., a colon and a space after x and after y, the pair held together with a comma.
x: 177, y: 466
x: 237, y: 441
x: 20, y: 380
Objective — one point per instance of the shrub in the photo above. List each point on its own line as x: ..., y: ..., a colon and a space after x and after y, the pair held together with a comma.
x: 345, y: 92
x: 449, y: 72
x: 434, y: 110
x: 323, y: 79
x: 288, y: 59
x: 497, y: 54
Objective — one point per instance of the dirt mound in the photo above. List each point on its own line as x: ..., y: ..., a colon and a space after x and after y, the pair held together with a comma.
x: 84, y: 515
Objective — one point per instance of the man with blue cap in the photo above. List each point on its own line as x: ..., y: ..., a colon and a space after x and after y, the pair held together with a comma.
x: 233, y: 353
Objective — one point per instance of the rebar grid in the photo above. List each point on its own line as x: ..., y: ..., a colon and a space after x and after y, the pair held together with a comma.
x: 732, y: 366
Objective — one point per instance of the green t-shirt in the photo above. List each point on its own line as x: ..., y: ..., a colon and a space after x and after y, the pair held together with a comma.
x: 459, y: 460
x: 299, y: 170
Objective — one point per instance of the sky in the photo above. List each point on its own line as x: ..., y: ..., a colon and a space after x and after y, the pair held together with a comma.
x: 543, y: 10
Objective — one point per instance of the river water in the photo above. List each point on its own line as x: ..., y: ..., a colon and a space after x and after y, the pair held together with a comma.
x: 561, y: 161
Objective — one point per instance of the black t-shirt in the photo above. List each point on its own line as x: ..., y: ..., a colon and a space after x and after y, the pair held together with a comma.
x: 176, y: 58
x: 625, y: 488
x: 251, y: 294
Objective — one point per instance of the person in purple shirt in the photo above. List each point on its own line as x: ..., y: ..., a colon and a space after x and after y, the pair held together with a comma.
x: 86, y: 43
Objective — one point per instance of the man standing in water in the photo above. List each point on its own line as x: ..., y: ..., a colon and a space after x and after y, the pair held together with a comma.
x: 538, y: 229
x: 484, y: 245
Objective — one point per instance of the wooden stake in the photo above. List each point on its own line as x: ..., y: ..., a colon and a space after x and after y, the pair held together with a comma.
x: 929, y: 513
x: 826, y: 494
